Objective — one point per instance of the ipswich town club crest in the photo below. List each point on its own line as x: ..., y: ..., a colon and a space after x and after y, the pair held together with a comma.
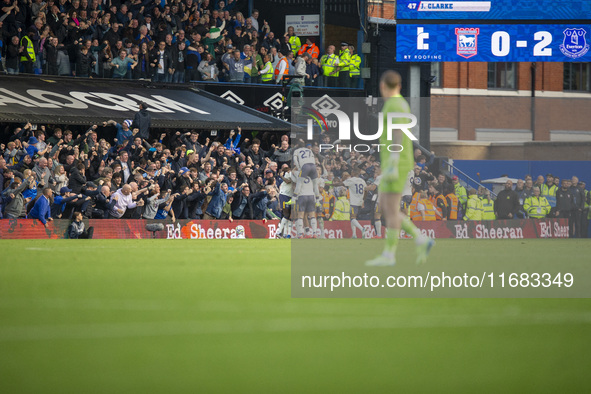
x: 467, y: 41
x: 574, y: 44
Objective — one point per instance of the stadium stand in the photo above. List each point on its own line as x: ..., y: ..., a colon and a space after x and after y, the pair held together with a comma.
x: 197, y: 174
x: 167, y: 41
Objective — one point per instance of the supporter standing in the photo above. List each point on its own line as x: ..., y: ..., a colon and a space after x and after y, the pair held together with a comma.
x: 124, y: 200
x: 161, y: 63
x: 507, y: 202
x: 16, y: 207
x: 219, y: 195
x: 579, y: 205
x: 13, y: 51
x: 121, y: 65
x: 300, y: 69
x: 565, y: 205
x: 143, y: 121
x: 41, y: 210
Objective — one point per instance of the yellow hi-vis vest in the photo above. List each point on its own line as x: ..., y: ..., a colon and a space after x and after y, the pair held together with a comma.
x: 295, y: 43
x: 488, y: 209
x: 473, y: 208
x: 329, y: 64
x: 550, y: 193
x: 326, y: 198
x: 354, y: 70
x: 461, y: 194
x: 268, y: 75
x: 28, y: 44
x: 342, y: 209
x: 344, y: 60
x: 536, y: 207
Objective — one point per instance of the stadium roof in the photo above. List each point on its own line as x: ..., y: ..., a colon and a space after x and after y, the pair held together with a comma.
x: 87, y: 101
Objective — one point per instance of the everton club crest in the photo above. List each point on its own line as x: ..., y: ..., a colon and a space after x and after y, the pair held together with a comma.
x: 574, y: 44
x: 467, y: 41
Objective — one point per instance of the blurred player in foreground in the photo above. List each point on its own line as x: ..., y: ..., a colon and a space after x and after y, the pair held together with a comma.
x: 395, y: 167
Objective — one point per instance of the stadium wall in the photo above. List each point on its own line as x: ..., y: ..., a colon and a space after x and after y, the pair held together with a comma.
x: 224, y: 229
x: 519, y: 168
x: 465, y: 150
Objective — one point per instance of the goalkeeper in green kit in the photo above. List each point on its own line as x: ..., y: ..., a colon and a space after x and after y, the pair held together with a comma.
x: 395, y: 168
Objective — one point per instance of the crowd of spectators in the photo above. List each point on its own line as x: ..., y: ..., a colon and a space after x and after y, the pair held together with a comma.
x: 125, y: 169
x: 163, y: 40
x: 546, y: 197
x: 52, y: 172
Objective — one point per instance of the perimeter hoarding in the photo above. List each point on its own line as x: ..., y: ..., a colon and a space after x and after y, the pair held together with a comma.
x: 224, y: 229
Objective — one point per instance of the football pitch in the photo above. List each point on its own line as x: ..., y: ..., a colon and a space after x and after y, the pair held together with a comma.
x: 163, y: 316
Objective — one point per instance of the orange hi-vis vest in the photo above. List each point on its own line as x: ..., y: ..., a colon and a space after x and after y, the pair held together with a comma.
x: 311, y: 49
x: 326, y: 199
x: 433, y: 200
x: 286, y: 71
x: 452, y: 207
x: 414, y: 214
x: 429, y: 210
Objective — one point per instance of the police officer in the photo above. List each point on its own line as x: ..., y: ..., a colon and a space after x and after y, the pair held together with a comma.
x: 344, y: 65
x: 330, y: 67
x: 354, y: 68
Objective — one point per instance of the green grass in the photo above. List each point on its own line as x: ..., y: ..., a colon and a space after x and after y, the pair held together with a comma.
x: 216, y: 316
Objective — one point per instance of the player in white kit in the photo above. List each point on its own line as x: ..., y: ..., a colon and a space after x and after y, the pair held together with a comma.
x: 356, y: 188
x: 305, y: 163
x: 285, y: 194
x: 305, y: 206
